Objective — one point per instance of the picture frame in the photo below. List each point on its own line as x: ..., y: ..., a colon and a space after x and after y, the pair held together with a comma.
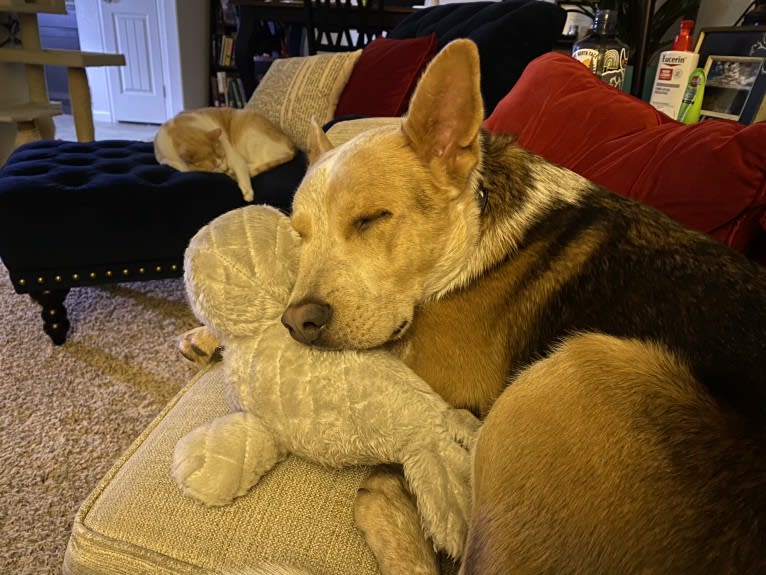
x: 734, y: 60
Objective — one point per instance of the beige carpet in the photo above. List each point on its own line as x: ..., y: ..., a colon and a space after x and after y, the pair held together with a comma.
x: 67, y: 412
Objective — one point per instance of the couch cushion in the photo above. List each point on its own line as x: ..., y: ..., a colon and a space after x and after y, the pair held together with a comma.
x: 710, y: 176
x: 296, y: 89
x: 508, y: 35
x: 385, y: 76
x: 343, y: 130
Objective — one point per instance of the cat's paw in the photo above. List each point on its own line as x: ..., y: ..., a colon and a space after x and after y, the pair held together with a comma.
x: 247, y: 192
x: 200, y: 346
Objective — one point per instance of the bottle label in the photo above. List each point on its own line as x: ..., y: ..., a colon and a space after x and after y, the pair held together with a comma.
x: 615, y: 62
x: 608, y: 64
x: 590, y: 57
x: 675, y: 59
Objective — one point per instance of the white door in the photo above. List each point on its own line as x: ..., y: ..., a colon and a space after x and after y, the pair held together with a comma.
x: 131, y: 27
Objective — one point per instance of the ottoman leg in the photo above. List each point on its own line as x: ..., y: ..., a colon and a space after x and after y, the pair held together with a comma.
x: 55, y: 321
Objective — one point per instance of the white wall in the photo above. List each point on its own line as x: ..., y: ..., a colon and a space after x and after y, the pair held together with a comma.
x: 719, y: 13
x: 188, y: 44
x: 91, y: 40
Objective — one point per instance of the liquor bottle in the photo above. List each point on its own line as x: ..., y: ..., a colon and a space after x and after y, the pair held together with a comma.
x: 602, y: 51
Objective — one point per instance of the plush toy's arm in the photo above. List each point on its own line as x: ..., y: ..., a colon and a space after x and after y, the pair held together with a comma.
x: 439, y: 476
x: 222, y: 460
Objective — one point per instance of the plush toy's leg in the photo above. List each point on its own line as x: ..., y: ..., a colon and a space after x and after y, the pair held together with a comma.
x: 223, y: 459
x: 440, y: 479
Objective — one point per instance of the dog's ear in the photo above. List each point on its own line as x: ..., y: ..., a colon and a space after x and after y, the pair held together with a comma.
x: 319, y: 143
x: 446, y: 112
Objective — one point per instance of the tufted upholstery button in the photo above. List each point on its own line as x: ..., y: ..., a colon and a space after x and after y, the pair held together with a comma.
x: 115, y: 154
x: 70, y: 179
x: 75, y: 160
x: 31, y: 169
x: 116, y: 167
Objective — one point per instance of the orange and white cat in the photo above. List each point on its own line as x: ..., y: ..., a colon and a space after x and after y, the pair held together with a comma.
x: 239, y: 142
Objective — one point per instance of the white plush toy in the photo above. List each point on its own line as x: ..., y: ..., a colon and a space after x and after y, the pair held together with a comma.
x: 336, y: 408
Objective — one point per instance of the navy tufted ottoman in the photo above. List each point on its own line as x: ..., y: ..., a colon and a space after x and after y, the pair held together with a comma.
x: 76, y: 213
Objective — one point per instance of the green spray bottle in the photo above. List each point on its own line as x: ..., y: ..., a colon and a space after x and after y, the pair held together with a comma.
x: 691, y: 103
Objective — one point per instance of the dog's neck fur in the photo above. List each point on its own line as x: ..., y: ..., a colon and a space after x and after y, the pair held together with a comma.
x: 519, y: 188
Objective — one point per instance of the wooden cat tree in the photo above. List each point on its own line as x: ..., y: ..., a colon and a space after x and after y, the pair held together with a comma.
x: 39, y: 108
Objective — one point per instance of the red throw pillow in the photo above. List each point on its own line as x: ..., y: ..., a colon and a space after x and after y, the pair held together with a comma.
x: 385, y: 76
x: 710, y: 176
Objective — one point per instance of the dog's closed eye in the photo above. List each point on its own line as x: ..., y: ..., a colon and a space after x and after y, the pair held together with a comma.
x: 363, y: 223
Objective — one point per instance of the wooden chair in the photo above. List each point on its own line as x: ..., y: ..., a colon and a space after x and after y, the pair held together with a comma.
x: 343, y: 25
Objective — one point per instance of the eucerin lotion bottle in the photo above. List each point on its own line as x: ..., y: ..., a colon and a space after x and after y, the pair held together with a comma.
x: 673, y: 70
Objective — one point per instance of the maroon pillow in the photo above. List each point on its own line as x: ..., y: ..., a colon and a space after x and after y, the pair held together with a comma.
x: 385, y: 75
x: 710, y: 176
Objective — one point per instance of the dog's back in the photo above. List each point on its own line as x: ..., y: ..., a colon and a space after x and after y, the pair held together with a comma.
x: 598, y: 263
x: 642, y: 376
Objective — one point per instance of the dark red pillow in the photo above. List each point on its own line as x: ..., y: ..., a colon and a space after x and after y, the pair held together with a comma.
x: 385, y: 76
x: 710, y: 176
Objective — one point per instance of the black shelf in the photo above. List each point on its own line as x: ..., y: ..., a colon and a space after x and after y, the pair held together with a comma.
x: 225, y: 83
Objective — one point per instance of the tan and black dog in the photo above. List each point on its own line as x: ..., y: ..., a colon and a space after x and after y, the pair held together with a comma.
x: 619, y: 358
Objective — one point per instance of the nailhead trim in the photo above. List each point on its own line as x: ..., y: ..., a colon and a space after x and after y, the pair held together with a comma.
x: 126, y: 273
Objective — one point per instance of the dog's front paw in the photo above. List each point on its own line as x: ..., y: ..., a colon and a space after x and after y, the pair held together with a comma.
x: 200, y: 346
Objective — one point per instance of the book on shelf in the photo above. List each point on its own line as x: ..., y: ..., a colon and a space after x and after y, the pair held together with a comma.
x: 223, y: 49
x: 227, y: 90
x: 228, y: 13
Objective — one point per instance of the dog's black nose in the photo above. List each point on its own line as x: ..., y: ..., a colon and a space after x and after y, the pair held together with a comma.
x: 306, y: 319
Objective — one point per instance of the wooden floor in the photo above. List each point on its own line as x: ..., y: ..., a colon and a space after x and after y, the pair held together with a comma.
x: 106, y: 130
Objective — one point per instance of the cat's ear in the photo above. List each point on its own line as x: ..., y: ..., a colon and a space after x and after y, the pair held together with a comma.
x: 214, y: 134
x: 319, y: 143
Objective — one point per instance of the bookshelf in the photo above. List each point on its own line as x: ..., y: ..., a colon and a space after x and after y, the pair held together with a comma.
x: 226, y: 87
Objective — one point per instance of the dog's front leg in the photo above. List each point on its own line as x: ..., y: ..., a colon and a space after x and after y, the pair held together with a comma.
x: 386, y: 515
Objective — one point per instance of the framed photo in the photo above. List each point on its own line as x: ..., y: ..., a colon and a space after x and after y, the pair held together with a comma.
x: 734, y: 61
